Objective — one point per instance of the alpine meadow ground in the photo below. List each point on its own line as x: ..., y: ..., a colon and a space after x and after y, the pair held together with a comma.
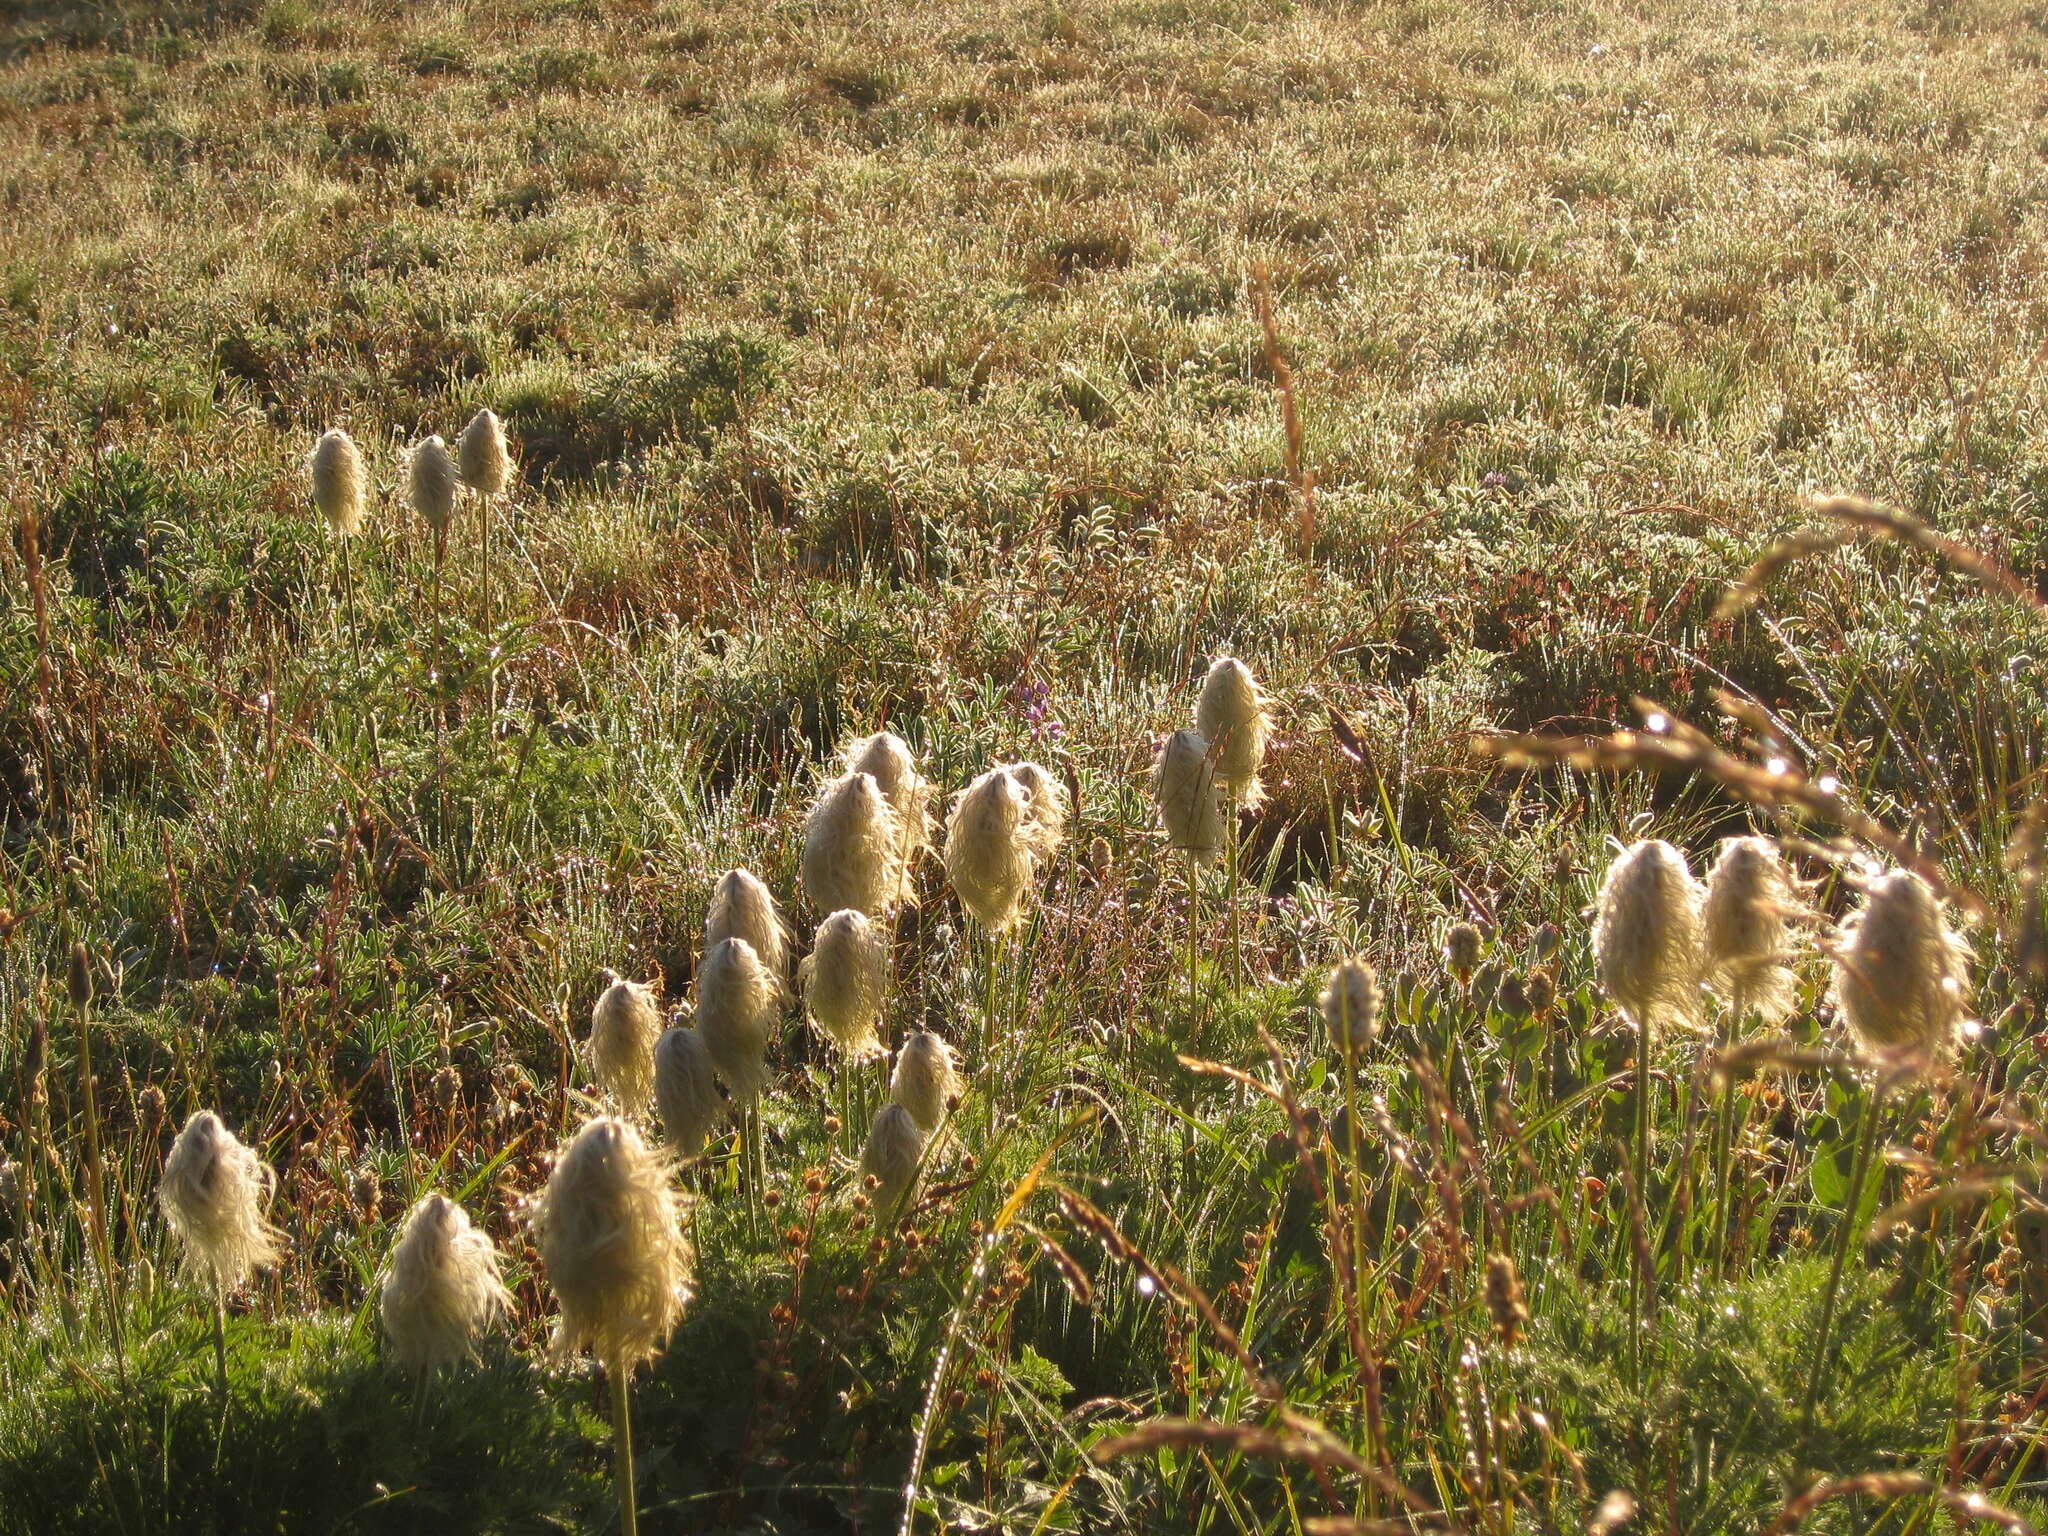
x: 1139, y: 765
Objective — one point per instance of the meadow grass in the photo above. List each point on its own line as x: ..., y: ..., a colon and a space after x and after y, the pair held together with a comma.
x: 903, y: 368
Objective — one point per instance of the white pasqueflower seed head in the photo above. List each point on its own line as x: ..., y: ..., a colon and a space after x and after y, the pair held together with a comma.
x: 686, y: 1091
x: 1351, y: 1005
x: 442, y: 1291
x: 744, y: 908
x: 485, y: 461
x: 736, y: 1006
x: 338, y: 481
x: 608, y: 1227
x: 1647, y: 940
x: 1232, y: 715
x: 845, y: 977
x: 988, y: 857
x: 853, y: 848
x: 925, y: 1082
x: 430, y: 484
x: 624, y: 1025
x: 212, y: 1194
x: 894, y: 1148
x: 887, y: 759
x: 1750, y: 896
x: 1901, y: 974
x: 1185, y: 789
x: 1045, y: 810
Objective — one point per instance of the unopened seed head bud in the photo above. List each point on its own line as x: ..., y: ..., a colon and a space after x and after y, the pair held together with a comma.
x: 1351, y: 1005
x: 81, y: 977
x: 1462, y: 943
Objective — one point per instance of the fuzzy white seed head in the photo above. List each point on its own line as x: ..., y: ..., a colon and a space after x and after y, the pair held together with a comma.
x: 743, y: 908
x: 1351, y: 1005
x: 686, y: 1091
x: 1232, y: 715
x: 1045, y: 810
x: 988, y: 855
x: 430, y: 484
x: 485, y: 461
x: 925, y: 1082
x: 442, y: 1291
x: 845, y: 978
x: 1647, y: 936
x: 1750, y: 896
x: 608, y: 1229
x: 213, y: 1192
x: 338, y: 482
x: 888, y: 760
x: 853, y: 848
x: 1902, y: 975
x: 894, y: 1148
x: 623, y: 1028
x: 736, y: 1006
x: 1184, y: 787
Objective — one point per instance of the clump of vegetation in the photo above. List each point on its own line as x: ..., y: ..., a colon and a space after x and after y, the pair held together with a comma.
x: 1357, y: 1117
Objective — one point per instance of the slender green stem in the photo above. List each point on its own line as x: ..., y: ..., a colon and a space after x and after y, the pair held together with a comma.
x: 1641, y: 1284
x: 435, y: 667
x: 220, y: 1347
x: 348, y: 599
x: 1231, y: 855
x: 490, y: 658
x: 1866, y: 1145
x: 990, y: 1040
x: 622, y: 1446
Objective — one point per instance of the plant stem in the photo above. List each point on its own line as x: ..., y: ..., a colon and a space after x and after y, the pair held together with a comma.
x: 348, y: 598
x: 1640, y: 1284
x: 434, y: 668
x: 490, y: 658
x: 1231, y: 855
x: 622, y: 1446
x: 220, y: 1347
x: 1816, y: 1381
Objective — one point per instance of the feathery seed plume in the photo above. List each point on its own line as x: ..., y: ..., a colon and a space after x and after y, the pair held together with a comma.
x: 845, y: 977
x: 430, y: 484
x: 744, y: 908
x: 894, y: 1147
x: 988, y: 856
x: 887, y: 759
x: 1232, y: 714
x: 338, y: 481
x: 624, y: 1025
x: 1901, y: 974
x: 442, y: 1290
x: 853, y: 848
x: 1351, y: 1005
x: 1184, y: 787
x: 925, y: 1082
x: 1647, y: 942
x: 736, y: 1005
x: 1749, y: 896
x: 485, y: 461
x: 686, y: 1091
x: 212, y: 1194
x: 1045, y: 810
x: 608, y: 1231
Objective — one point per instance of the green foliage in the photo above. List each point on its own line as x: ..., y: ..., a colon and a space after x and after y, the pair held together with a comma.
x: 879, y: 369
